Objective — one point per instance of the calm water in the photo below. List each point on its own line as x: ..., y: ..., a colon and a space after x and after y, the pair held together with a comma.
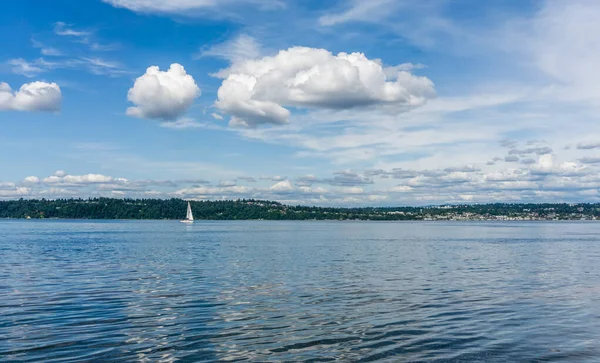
x: 299, y: 291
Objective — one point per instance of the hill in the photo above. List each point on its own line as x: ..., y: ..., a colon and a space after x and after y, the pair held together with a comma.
x: 109, y: 208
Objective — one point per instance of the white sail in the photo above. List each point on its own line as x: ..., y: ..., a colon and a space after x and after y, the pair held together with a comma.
x: 189, y: 216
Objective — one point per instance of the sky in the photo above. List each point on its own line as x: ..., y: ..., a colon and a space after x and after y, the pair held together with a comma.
x: 337, y: 103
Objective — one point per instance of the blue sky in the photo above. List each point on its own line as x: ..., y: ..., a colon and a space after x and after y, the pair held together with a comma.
x: 386, y: 102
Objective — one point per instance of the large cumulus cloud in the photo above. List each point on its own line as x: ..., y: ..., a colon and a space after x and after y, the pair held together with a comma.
x: 162, y: 95
x: 34, y: 96
x: 261, y: 91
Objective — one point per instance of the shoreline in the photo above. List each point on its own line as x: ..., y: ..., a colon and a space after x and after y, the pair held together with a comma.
x: 302, y: 220
x: 250, y: 209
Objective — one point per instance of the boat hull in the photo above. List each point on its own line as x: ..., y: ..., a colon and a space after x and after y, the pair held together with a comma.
x: 186, y: 221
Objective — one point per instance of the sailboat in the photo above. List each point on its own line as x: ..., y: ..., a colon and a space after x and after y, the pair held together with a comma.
x: 189, y: 217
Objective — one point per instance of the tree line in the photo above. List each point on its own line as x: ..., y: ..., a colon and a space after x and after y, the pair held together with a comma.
x: 110, y: 208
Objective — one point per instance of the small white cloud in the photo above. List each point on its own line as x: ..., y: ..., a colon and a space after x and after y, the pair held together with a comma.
x: 276, y: 178
x: 94, y: 65
x: 283, y: 187
x: 31, y: 180
x: 104, y: 47
x: 171, y: 6
x: 24, y: 68
x: 100, y: 66
x: 48, y: 51
x: 18, y: 192
x: 358, y: 11
x: 354, y: 190
x: 79, y: 36
x: 61, y: 28
x: 547, y: 165
x: 466, y: 197
x: 162, y: 95
x: 53, y: 52
x: 377, y: 198
x: 34, y: 96
x: 182, y: 123
x: 52, y: 179
x: 7, y: 185
x: 186, y: 6
x: 60, y: 177
x: 401, y: 189
x: 241, y: 48
x: 457, y: 177
x: 216, y: 116
x: 87, y: 179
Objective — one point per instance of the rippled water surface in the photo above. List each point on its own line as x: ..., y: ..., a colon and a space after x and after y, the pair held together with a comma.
x: 85, y: 291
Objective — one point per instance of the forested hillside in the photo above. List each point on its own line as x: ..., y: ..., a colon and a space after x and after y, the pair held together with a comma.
x: 108, y: 208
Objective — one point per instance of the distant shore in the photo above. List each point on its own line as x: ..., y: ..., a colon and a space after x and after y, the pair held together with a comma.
x: 249, y: 209
x: 303, y: 220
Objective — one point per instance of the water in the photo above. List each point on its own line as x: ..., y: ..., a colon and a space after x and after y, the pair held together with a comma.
x: 80, y: 291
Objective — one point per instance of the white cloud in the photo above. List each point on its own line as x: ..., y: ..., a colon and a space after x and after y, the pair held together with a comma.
x: 466, y: 197
x: 22, y: 67
x: 353, y: 190
x: 34, y: 96
x: 21, y: 192
x: 257, y: 92
x: 31, y: 180
x: 241, y: 48
x: 171, y: 6
x: 60, y: 177
x: 87, y: 179
x: 182, y: 123
x: 276, y: 178
x: 100, y: 66
x: 505, y: 175
x: 7, y: 185
x: 283, y: 187
x: 94, y: 65
x: 557, y: 179
x: 558, y: 41
x: 457, y: 177
x: 227, y: 183
x: 547, y: 165
x: 401, y: 189
x: 162, y: 95
x: 80, y: 36
x: 61, y: 28
x: 377, y: 198
x: 53, y: 179
x: 359, y: 11
x: 185, y: 6
x: 48, y: 51
x: 53, y: 52
x: 421, y: 23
